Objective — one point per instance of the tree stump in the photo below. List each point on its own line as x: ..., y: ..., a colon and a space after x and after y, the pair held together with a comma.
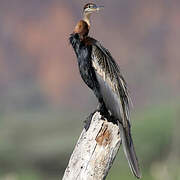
x: 95, y: 151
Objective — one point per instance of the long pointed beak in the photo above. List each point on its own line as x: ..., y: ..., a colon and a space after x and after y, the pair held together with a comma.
x: 98, y: 8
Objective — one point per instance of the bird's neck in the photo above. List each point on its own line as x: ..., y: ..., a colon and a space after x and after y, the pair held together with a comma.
x: 83, y: 26
x: 86, y: 18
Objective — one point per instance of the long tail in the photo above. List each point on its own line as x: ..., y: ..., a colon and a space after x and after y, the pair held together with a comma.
x: 130, y: 151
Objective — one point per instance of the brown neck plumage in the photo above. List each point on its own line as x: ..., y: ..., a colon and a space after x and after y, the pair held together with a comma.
x: 83, y: 26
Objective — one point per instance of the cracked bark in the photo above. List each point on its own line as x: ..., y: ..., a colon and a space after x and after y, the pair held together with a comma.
x: 95, y: 151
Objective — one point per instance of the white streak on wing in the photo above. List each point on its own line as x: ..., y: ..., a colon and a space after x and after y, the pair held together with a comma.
x: 111, y: 99
x: 109, y: 79
x: 108, y: 91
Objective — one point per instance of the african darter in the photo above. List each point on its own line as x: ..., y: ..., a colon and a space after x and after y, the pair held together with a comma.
x: 101, y: 73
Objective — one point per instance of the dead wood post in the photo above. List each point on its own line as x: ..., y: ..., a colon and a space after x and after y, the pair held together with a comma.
x: 95, y: 151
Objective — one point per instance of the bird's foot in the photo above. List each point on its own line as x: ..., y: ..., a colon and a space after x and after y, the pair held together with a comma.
x: 113, y: 120
x: 103, y: 111
x: 88, y: 120
x: 105, y: 114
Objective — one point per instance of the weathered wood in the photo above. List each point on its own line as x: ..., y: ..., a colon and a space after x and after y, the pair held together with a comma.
x: 95, y: 151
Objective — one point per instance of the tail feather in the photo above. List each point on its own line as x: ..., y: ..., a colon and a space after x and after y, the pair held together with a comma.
x: 129, y: 151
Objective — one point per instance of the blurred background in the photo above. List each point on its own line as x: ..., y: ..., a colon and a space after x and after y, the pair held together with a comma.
x: 43, y: 100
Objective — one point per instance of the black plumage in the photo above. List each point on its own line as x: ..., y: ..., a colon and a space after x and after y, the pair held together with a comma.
x: 101, y: 73
x: 83, y: 52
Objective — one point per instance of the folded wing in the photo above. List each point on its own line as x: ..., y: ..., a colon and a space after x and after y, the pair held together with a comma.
x: 115, y: 95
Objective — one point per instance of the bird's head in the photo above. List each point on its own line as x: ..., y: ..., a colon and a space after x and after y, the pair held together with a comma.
x: 91, y: 7
x: 81, y: 27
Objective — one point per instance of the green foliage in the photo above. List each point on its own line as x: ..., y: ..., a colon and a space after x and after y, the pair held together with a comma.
x: 152, y: 133
x: 44, y: 143
x: 22, y: 175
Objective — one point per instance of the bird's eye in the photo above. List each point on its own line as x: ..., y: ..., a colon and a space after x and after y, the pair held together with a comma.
x: 88, y: 7
x: 91, y: 6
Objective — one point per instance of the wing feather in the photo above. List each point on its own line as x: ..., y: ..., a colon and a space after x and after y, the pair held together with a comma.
x: 108, y: 74
x: 116, y: 97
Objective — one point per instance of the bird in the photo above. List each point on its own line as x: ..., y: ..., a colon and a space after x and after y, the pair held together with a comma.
x: 102, y: 75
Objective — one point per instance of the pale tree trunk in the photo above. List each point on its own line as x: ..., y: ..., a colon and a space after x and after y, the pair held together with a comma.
x: 95, y: 151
